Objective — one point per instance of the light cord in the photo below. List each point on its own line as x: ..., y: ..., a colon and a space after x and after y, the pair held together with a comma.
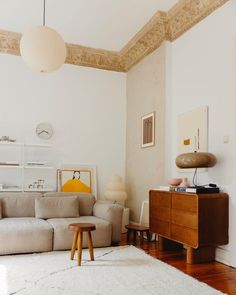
x: 195, y: 177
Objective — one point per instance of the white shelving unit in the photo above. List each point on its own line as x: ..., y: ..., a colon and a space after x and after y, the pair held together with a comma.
x: 22, y: 176
x: 40, y: 167
x: 12, y: 166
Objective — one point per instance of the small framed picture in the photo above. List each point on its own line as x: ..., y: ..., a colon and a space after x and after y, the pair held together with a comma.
x: 148, y: 130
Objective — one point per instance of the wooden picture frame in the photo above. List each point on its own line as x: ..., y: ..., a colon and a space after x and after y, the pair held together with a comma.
x: 76, y: 178
x: 148, y: 130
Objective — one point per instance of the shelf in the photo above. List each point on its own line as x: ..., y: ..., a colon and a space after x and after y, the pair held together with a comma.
x: 25, y: 167
x: 12, y: 166
x: 15, y: 144
x: 38, y: 167
x: 43, y: 145
x: 11, y: 190
x: 38, y: 190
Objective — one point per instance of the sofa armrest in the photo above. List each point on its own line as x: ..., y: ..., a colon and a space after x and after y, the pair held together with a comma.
x: 0, y: 209
x: 112, y: 213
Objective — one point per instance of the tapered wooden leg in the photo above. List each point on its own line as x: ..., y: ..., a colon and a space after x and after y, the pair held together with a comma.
x: 128, y: 235
x: 134, y: 233
x: 74, y: 244
x: 148, y: 235
x: 80, y: 243
x: 141, y: 237
x: 90, y: 244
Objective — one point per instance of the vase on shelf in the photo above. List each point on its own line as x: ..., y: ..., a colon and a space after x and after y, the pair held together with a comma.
x: 184, y: 182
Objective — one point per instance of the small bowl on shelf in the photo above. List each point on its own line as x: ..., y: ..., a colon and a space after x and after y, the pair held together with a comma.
x: 174, y: 181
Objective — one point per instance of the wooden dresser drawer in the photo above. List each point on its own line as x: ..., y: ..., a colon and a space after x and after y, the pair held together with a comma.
x: 160, y: 199
x: 160, y: 227
x: 184, y: 218
x: 185, y: 202
x: 161, y: 214
x: 184, y: 235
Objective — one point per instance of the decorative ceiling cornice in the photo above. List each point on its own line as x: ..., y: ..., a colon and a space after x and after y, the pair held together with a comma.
x: 96, y: 58
x: 187, y: 13
x: 76, y: 54
x: 149, y: 38
x: 162, y: 26
x: 9, y: 42
x: 167, y: 26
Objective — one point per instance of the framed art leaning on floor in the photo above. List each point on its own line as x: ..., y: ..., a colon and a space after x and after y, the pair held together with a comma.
x: 77, y: 178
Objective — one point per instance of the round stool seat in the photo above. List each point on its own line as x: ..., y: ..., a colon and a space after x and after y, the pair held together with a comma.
x: 137, y: 227
x: 81, y: 227
x: 133, y: 228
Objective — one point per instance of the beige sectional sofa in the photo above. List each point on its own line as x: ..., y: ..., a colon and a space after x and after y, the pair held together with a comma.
x: 35, y: 222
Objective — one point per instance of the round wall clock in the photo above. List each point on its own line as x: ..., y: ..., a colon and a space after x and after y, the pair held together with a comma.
x: 44, y: 130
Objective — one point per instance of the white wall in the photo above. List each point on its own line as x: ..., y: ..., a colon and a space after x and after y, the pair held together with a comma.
x: 202, y: 72
x: 87, y: 108
x: 146, y: 91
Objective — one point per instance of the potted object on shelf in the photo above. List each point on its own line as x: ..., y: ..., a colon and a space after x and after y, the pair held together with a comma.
x: 184, y: 182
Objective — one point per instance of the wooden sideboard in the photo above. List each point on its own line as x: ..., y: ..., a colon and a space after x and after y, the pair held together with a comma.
x: 200, y: 222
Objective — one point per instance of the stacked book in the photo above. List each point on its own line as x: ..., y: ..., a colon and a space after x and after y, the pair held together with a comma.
x: 191, y: 189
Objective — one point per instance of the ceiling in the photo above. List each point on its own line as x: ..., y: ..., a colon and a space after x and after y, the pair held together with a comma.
x: 107, y: 24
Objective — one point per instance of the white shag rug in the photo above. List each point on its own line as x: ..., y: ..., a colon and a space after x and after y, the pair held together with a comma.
x: 115, y: 271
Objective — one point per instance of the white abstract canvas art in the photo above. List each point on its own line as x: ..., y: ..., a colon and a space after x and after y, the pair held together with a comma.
x: 193, y: 131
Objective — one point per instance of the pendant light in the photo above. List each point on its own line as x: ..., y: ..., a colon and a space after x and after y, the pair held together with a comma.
x: 42, y: 48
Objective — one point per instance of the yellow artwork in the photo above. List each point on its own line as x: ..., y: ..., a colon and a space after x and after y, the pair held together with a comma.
x: 75, y: 181
x: 187, y: 141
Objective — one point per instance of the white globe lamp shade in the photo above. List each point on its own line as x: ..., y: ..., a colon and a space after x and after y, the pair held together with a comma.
x: 43, y: 49
x: 116, y: 189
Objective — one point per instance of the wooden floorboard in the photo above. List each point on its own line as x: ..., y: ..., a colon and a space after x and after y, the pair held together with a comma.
x: 215, y: 274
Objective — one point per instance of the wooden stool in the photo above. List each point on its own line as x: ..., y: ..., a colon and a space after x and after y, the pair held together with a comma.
x: 137, y: 228
x: 79, y: 228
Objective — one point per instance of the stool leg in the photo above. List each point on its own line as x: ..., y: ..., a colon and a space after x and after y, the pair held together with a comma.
x: 128, y: 235
x: 73, y: 247
x: 148, y: 236
x: 90, y: 244
x: 141, y: 237
x: 80, y: 243
x: 134, y: 233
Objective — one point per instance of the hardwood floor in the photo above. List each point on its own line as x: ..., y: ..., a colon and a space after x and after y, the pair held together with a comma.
x: 217, y: 275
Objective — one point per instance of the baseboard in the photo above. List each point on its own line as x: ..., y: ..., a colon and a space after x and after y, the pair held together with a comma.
x: 227, y: 257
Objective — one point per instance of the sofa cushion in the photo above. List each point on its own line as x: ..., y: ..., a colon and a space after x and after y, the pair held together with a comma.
x: 52, y: 207
x: 63, y: 236
x: 25, y: 235
x: 18, y: 204
x: 86, y: 201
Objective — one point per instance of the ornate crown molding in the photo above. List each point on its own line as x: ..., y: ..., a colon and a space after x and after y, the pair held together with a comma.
x: 96, y: 58
x: 162, y: 26
x: 149, y: 38
x: 9, y: 42
x: 187, y: 13
x: 167, y: 26
x: 76, y: 54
